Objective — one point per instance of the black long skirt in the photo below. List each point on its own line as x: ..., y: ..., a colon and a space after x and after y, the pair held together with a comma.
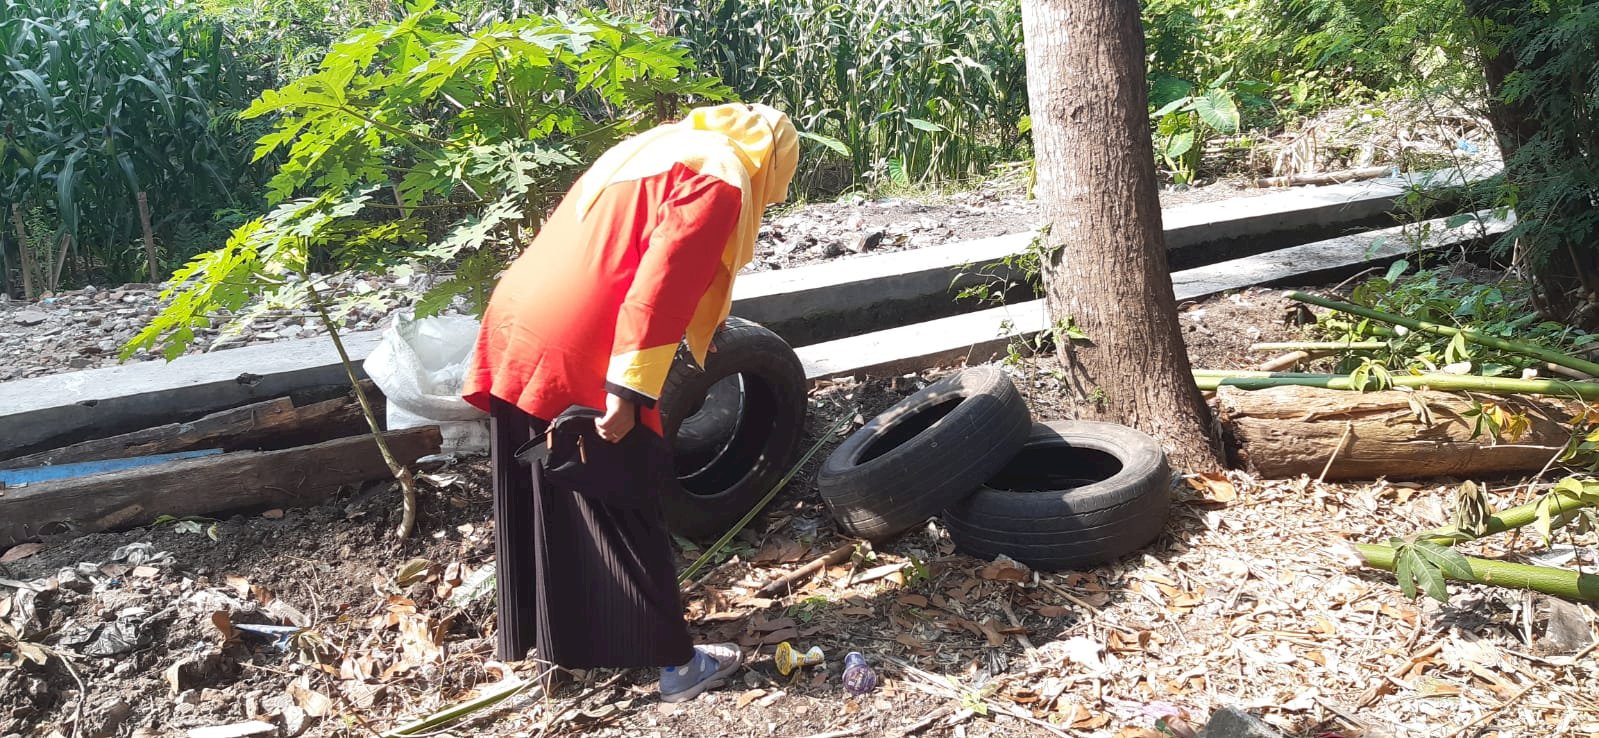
x: 586, y: 584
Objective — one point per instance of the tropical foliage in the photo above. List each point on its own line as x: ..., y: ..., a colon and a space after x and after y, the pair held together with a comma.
x: 415, y: 144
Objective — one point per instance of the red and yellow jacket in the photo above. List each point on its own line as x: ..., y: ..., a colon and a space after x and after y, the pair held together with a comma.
x: 639, y: 255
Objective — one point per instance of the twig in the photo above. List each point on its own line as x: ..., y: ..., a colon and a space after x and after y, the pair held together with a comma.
x: 83, y: 693
x: 1379, y: 689
x: 876, y: 573
x: 1016, y: 622
x: 926, y: 722
x: 836, y: 556
x: 1491, y: 714
x: 1349, y: 429
x: 838, y: 733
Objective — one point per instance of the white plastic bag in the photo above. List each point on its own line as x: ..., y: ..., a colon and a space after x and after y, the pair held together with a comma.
x: 421, y: 366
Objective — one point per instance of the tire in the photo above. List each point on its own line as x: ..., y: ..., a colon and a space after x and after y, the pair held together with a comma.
x: 705, y: 432
x: 926, y: 453
x: 1078, y: 494
x: 715, y: 489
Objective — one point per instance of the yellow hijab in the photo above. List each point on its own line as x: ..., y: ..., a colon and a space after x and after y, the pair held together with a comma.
x: 753, y: 147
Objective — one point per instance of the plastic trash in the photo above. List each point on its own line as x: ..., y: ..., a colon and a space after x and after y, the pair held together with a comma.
x: 859, y: 678
x: 421, y: 366
x: 788, y: 660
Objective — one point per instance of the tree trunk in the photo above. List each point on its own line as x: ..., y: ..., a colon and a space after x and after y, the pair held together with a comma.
x: 1107, y: 269
x: 1560, y: 273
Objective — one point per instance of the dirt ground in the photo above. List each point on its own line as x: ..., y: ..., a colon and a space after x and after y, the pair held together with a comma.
x: 1249, y: 599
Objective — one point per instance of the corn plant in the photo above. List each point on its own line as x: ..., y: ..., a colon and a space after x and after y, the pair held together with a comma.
x: 103, y: 101
x: 897, y: 90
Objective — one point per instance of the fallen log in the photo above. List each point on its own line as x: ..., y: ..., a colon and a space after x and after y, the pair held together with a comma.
x: 1325, y: 178
x: 203, y: 486
x: 1287, y: 431
x: 272, y: 425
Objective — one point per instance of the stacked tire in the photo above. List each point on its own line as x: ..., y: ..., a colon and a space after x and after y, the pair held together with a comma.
x: 1056, y: 495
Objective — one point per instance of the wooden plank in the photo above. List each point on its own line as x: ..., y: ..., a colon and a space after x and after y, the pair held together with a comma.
x: 206, y: 486
x: 270, y: 425
x: 40, y: 474
x: 1284, y: 432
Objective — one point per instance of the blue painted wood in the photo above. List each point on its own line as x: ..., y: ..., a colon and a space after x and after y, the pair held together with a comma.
x: 36, y: 474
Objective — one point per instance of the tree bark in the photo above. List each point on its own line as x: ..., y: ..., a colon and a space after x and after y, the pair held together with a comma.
x: 1106, y: 269
x: 1285, y: 432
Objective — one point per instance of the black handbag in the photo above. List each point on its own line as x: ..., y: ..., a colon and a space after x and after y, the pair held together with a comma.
x: 629, y: 473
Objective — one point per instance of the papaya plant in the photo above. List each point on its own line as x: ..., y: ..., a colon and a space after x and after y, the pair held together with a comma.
x: 415, y: 145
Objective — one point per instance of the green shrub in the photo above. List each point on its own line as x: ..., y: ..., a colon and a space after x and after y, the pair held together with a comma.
x: 415, y: 143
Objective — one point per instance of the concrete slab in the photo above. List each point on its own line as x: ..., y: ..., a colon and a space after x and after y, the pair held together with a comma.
x: 862, y: 294
x: 45, y: 412
x: 987, y: 334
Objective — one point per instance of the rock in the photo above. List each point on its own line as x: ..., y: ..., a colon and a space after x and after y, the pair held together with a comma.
x: 867, y: 242
x: 291, y: 331
x: 236, y: 730
x: 1231, y: 722
x: 1567, y: 629
x: 295, y: 721
x: 834, y: 249
x: 29, y: 318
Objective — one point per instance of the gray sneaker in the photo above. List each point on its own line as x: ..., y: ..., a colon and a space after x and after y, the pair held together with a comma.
x: 710, y: 668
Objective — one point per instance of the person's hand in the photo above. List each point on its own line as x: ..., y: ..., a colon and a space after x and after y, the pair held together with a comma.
x: 618, y: 421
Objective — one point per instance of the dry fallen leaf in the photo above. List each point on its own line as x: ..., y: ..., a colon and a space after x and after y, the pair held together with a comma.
x: 912, y: 600
x: 1006, y: 569
x: 1053, y: 611
x: 313, y: 702
x: 238, y: 584
x: 1213, y: 487
x: 224, y: 625
x: 18, y: 553
x: 746, y: 698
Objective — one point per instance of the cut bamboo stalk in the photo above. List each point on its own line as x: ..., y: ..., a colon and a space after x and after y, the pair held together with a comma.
x: 1210, y: 379
x: 1286, y: 361
x: 1318, y: 346
x: 149, y: 239
x: 1546, y: 579
x: 22, y: 251
x: 1504, y: 520
x: 1553, y: 357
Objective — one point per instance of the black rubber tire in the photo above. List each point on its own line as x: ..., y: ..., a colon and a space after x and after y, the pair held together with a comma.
x: 1104, y: 491
x: 926, y: 453
x: 711, y: 495
x: 703, y: 434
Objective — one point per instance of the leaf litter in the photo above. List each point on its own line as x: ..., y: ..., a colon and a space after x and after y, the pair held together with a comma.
x: 1248, y: 600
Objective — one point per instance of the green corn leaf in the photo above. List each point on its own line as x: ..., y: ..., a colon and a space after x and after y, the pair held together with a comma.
x: 831, y: 143
x: 925, y: 125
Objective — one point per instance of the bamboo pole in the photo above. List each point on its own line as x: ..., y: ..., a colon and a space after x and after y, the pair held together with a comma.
x: 5, y: 270
x: 1210, y: 379
x: 149, y: 239
x: 1504, y: 520
x: 61, y: 262
x: 1546, y: 579
x: 22, y: 251
x: 1514, y: 347
x: 1319, y: 346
